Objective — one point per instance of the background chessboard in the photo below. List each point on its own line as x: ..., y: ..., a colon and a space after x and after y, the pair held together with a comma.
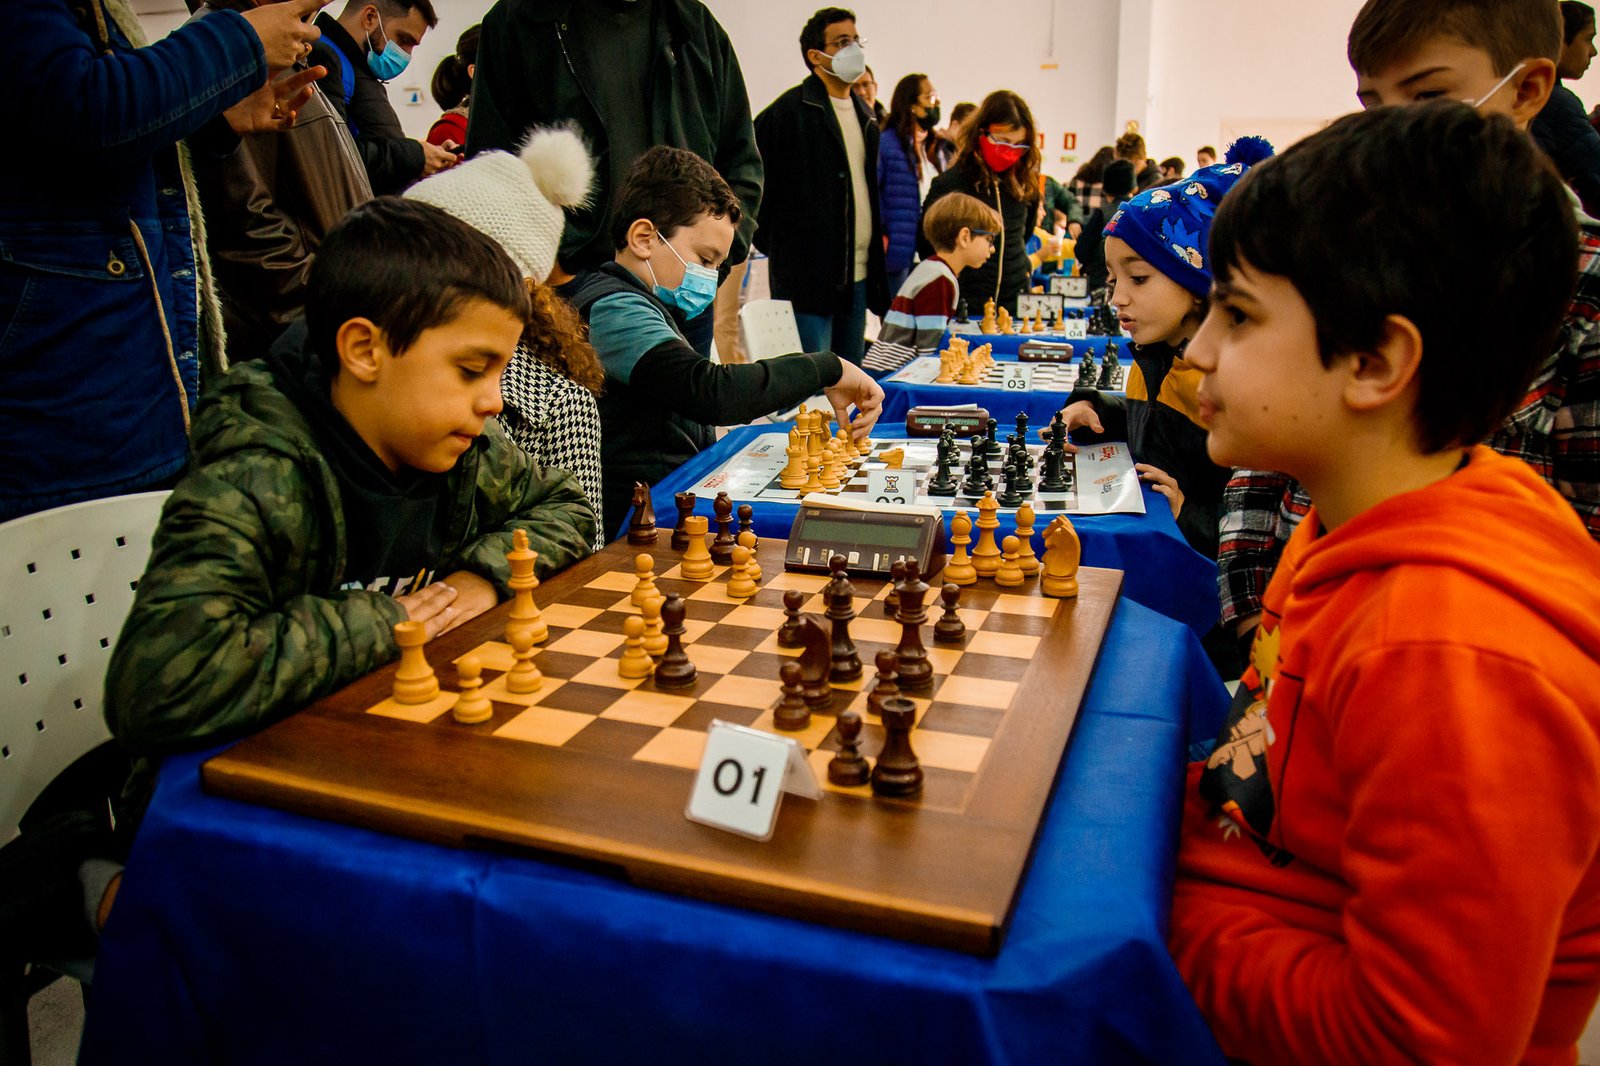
x: 1047, y: 377
x: 598, y: 767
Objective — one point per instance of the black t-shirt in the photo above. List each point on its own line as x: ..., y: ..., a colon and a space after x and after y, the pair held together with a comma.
x: 395, y: 523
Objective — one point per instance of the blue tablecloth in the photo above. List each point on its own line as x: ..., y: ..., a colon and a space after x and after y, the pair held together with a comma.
x: 245, y: 935
x: 1162, y: 571
x: 1040, y: 404
x: 1003, y: 346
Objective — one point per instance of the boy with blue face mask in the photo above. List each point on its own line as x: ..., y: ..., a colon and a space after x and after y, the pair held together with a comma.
x: 672, y: 225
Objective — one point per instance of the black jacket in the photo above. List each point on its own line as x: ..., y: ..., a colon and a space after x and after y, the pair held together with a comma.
x: 1010, y: 248
x: 674, y: 397
x: 393, y: 160
x: 1563, y: 131
x: 1165, y: 437
x: 807, y: 223
x: 529, y: 76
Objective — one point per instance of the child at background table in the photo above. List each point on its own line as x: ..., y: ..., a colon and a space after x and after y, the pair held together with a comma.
x: 962, y: 230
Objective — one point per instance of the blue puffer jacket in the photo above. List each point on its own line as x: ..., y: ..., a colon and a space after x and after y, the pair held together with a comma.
x: 99, y: 299
x: 901, y: 200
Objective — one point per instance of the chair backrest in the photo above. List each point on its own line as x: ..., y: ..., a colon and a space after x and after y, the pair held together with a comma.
x: 768, y: 329
x: 67, y: 579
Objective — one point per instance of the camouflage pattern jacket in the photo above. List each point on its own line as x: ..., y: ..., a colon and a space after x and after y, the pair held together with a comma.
x: 240, y: 619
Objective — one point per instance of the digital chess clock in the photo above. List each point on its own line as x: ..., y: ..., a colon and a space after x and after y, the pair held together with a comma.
x: 870, y: 540
x: 930, y: 421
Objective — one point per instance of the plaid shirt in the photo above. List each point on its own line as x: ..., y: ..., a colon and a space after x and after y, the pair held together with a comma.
x: 1089, y: 194
x: 1555, y: 430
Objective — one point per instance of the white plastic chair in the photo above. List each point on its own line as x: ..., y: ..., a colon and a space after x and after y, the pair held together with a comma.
x: 67, y: 579
x: 768, y: 329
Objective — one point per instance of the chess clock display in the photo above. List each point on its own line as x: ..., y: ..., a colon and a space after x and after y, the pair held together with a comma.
x: 871, y: 541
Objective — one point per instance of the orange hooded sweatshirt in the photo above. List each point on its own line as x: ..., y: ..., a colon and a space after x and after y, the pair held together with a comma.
x: 1392, y: 856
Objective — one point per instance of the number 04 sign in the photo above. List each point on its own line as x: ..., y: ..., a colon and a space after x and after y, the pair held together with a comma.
x: 742, y: 778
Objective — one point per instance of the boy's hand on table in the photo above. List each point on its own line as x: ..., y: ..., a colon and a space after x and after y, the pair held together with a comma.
x: 855, y: 386
x: 474, y: 595
x: 1163, y: 483
x: 1077, y: 415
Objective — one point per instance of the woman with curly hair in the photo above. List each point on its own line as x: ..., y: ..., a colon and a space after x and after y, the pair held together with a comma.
x: 550, y: 386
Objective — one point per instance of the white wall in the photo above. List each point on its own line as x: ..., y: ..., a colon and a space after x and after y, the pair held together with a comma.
x: 1189, y: 73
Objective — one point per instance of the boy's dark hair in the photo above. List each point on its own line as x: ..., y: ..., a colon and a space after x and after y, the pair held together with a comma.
x: 1386, y: 31
x: 673, y: 188
x: 1206, y: 149
x: 815, y: 33
x: 1118, y: 179
x: 399, y: 9
x: 959, y: 113
x: 407, y: 266
x: 1173, y: 162
x: 953, y: 212
x: 1481, y: 259
x: 1575, y: 18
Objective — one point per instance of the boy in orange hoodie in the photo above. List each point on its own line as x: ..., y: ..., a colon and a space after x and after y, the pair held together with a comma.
x: 1391, y: 854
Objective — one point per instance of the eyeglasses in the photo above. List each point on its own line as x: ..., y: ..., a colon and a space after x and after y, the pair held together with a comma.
x: 982, y: 233
x: 842, y: 41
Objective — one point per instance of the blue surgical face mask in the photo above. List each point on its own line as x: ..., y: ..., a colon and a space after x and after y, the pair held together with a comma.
x: 390, y: 63
x: 694, y: 293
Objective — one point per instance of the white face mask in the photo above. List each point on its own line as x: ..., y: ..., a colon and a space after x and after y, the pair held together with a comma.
x: 849, y: 63
x: 1480, y: 101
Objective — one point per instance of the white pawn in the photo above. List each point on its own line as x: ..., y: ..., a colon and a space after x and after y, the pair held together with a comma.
x: 635, y: 663
x: 644, y: 570
x: 655, y: 640
x: 829, y: 474
x: 524, y: 676
x: 472, y: 706
x: 747, y: 540
x: 740, y: 586
x: 1010, y: 574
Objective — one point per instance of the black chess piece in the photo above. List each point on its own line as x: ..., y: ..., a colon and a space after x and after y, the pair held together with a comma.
x: 722, y: 544
x: 1023, y: 461
x: 846, y: 663
x: 1055, y: 464
x: 747, y: 520
x: 992, y: 449
x: 978, y: 479
x: 1011, y: 495
x: 884, y: 686
x: 950, y: 629
x: 675, y: 670
x: 915, y: 671
x: 680, y: 532
x: 897, y: 773
x: 815, y: 661
x: 942, y: 483
x: 1022, y: 426
x: 1108, y: 375
x: 789, y: 632
x: 642, y: 526
x: 961, y: 312
x: 791, y: 713
x: 897, y: 574
x: 849, y: 767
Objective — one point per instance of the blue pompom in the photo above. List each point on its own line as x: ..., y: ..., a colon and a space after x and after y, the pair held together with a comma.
x: 1249, y: 151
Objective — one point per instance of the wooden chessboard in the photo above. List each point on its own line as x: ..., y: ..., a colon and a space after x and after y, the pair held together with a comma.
x: 598, y: 768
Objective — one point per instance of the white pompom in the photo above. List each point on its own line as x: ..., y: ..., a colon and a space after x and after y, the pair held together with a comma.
x: 560, y: 164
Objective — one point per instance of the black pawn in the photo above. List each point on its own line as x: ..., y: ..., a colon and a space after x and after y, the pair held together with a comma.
x: 884, y: 687
x: 747, y: 523
x: 1022, y: 426
x: 942, y: 484
x: 789, y: 632
x: 898, y: 773
x: 722, y: 544
x: 849, y: 767
x: 680, y: 532
x: 991, y: 445
x: 978, y: 480
x: 1011, y: 495
x: 950, y: 629
x: 791, y: 713
x: 846, y: 663
x: 675, y: 669
x: 897, y: 574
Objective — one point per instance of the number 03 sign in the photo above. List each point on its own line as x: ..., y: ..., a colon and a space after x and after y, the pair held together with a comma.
x: 742, y: 778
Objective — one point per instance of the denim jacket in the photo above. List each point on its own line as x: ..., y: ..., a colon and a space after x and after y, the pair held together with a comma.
x: 99, y: 288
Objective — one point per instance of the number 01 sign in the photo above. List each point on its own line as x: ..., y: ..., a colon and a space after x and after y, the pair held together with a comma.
x: 742, y: 778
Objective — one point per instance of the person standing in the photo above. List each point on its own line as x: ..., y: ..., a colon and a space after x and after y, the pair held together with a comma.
x: 998, y: 164
x: 369, y: 44
x: 452, y: 90
x: 631, y: 74
x: 1562, y: 129
x: 819, y: 221
x: 908, y: 158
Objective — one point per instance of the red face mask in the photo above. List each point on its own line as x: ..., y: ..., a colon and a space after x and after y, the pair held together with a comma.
x: 1000, y: 157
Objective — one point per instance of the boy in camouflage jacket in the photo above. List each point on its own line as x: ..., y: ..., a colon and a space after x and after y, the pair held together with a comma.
x: 329, y: 483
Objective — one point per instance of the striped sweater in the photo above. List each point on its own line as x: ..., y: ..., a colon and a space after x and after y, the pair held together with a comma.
x: 918, y: 317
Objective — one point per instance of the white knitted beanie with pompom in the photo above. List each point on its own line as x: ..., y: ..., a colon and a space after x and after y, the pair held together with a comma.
x: 517, y: 199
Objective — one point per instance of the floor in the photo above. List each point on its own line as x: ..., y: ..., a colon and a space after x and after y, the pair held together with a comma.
x: 55, y: 1019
